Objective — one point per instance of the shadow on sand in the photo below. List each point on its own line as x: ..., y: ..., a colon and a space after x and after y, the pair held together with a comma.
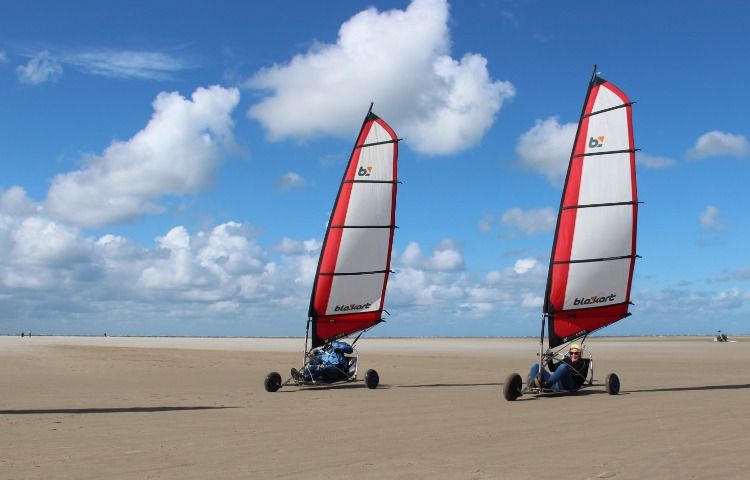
x: 382, y: 386
x: 602, y: 390
x: 106, y: 410
x: 743, y: 386
x: 442, y: 385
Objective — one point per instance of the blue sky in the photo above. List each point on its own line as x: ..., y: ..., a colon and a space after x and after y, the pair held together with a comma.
x: 169, y: 167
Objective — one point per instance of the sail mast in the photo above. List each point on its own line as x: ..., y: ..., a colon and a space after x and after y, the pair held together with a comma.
x: 547, y: 309
x: 311, y: 309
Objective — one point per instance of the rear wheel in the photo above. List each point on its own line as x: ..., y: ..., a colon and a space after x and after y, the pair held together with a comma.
x: 512, y: 387
x: 272, y: 382
x: 372, y: 379
x: 613, y: 384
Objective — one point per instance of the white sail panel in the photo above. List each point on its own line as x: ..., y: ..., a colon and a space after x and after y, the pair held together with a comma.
x: 376, y: 161
x: 603, y: 233
x: 597, y: 284
x: 608, y: 131
x: 370, y: 204
x: 355, y: 294
x: 606, y: 179
x: 363, y: 250
x: 606, y: 98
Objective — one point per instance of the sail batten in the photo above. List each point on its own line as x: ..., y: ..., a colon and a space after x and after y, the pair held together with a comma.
x: 604, y: 153
x: 560, y: 262
x: 609, y: 109
x: 377, y: 143
x: 594, y: 250
x: 352, y: 275
x: 608, y: 204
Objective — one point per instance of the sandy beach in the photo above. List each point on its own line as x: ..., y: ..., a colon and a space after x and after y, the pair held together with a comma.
x: 187, y: 408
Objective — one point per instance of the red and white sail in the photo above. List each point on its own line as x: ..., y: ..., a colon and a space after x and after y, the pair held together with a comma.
x: 594, y: 251
x: 354, y: 264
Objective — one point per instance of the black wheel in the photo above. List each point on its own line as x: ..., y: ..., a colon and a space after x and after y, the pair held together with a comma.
x: 372, y: 379
x: 272, y: 382
x: 613, y: 384
x: 512, y: 387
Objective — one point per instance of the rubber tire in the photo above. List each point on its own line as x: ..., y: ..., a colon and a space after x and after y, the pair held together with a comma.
x: 612, y: 383
x: 512, y: 387
x: 272, y: 382
x: 372, y: 379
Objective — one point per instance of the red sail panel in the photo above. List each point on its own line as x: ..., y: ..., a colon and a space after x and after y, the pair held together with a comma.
x: 593, y: 257
x: 352, y: 275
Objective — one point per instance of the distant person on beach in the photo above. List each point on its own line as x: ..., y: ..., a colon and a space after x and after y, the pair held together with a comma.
x: 326, y: 364
x: 566, y: 375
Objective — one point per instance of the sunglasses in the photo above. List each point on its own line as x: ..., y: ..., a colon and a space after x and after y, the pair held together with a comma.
x: 575, y: 353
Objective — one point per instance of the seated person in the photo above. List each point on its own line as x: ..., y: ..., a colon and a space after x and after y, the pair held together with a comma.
x: 326, y: 364
x: 567, y: 375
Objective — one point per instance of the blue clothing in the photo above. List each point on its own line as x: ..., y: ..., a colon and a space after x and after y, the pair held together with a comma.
x: 568, y: 375
x: 561, y: 379
x: 328, y: 364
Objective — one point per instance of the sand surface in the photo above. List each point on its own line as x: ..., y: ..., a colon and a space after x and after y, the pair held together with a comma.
x: 178, y: 408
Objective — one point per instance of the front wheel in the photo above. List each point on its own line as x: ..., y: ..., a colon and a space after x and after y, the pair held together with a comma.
x: 613, y: 384
x: 272, y: 382
x: 372, y: 379
x: 512, y: 387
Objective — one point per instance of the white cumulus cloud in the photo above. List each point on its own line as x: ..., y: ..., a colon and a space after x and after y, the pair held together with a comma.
x: 546, y: 148
x: 446, y: 257
x: 400, y: 59
x: 15, y: 201
x: 654, y: 161
x: 176, y: 153
x: 41, y: 68
x: 715, y: 144
x: 290, y: 180
x: 524, y: 265
x: 530, y: 222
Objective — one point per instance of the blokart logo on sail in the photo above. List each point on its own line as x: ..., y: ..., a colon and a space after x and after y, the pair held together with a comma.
x: 596, y: 142
x: 352, y: 307
x: 364, y: 171
x: 594, y: 299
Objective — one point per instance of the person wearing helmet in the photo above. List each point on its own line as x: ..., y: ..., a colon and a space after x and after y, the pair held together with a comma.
x: 325, y: 364
x: 566, y: 375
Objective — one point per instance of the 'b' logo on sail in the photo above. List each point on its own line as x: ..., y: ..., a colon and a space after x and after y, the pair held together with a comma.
x: 596, y: 142
x: 364, y: 171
